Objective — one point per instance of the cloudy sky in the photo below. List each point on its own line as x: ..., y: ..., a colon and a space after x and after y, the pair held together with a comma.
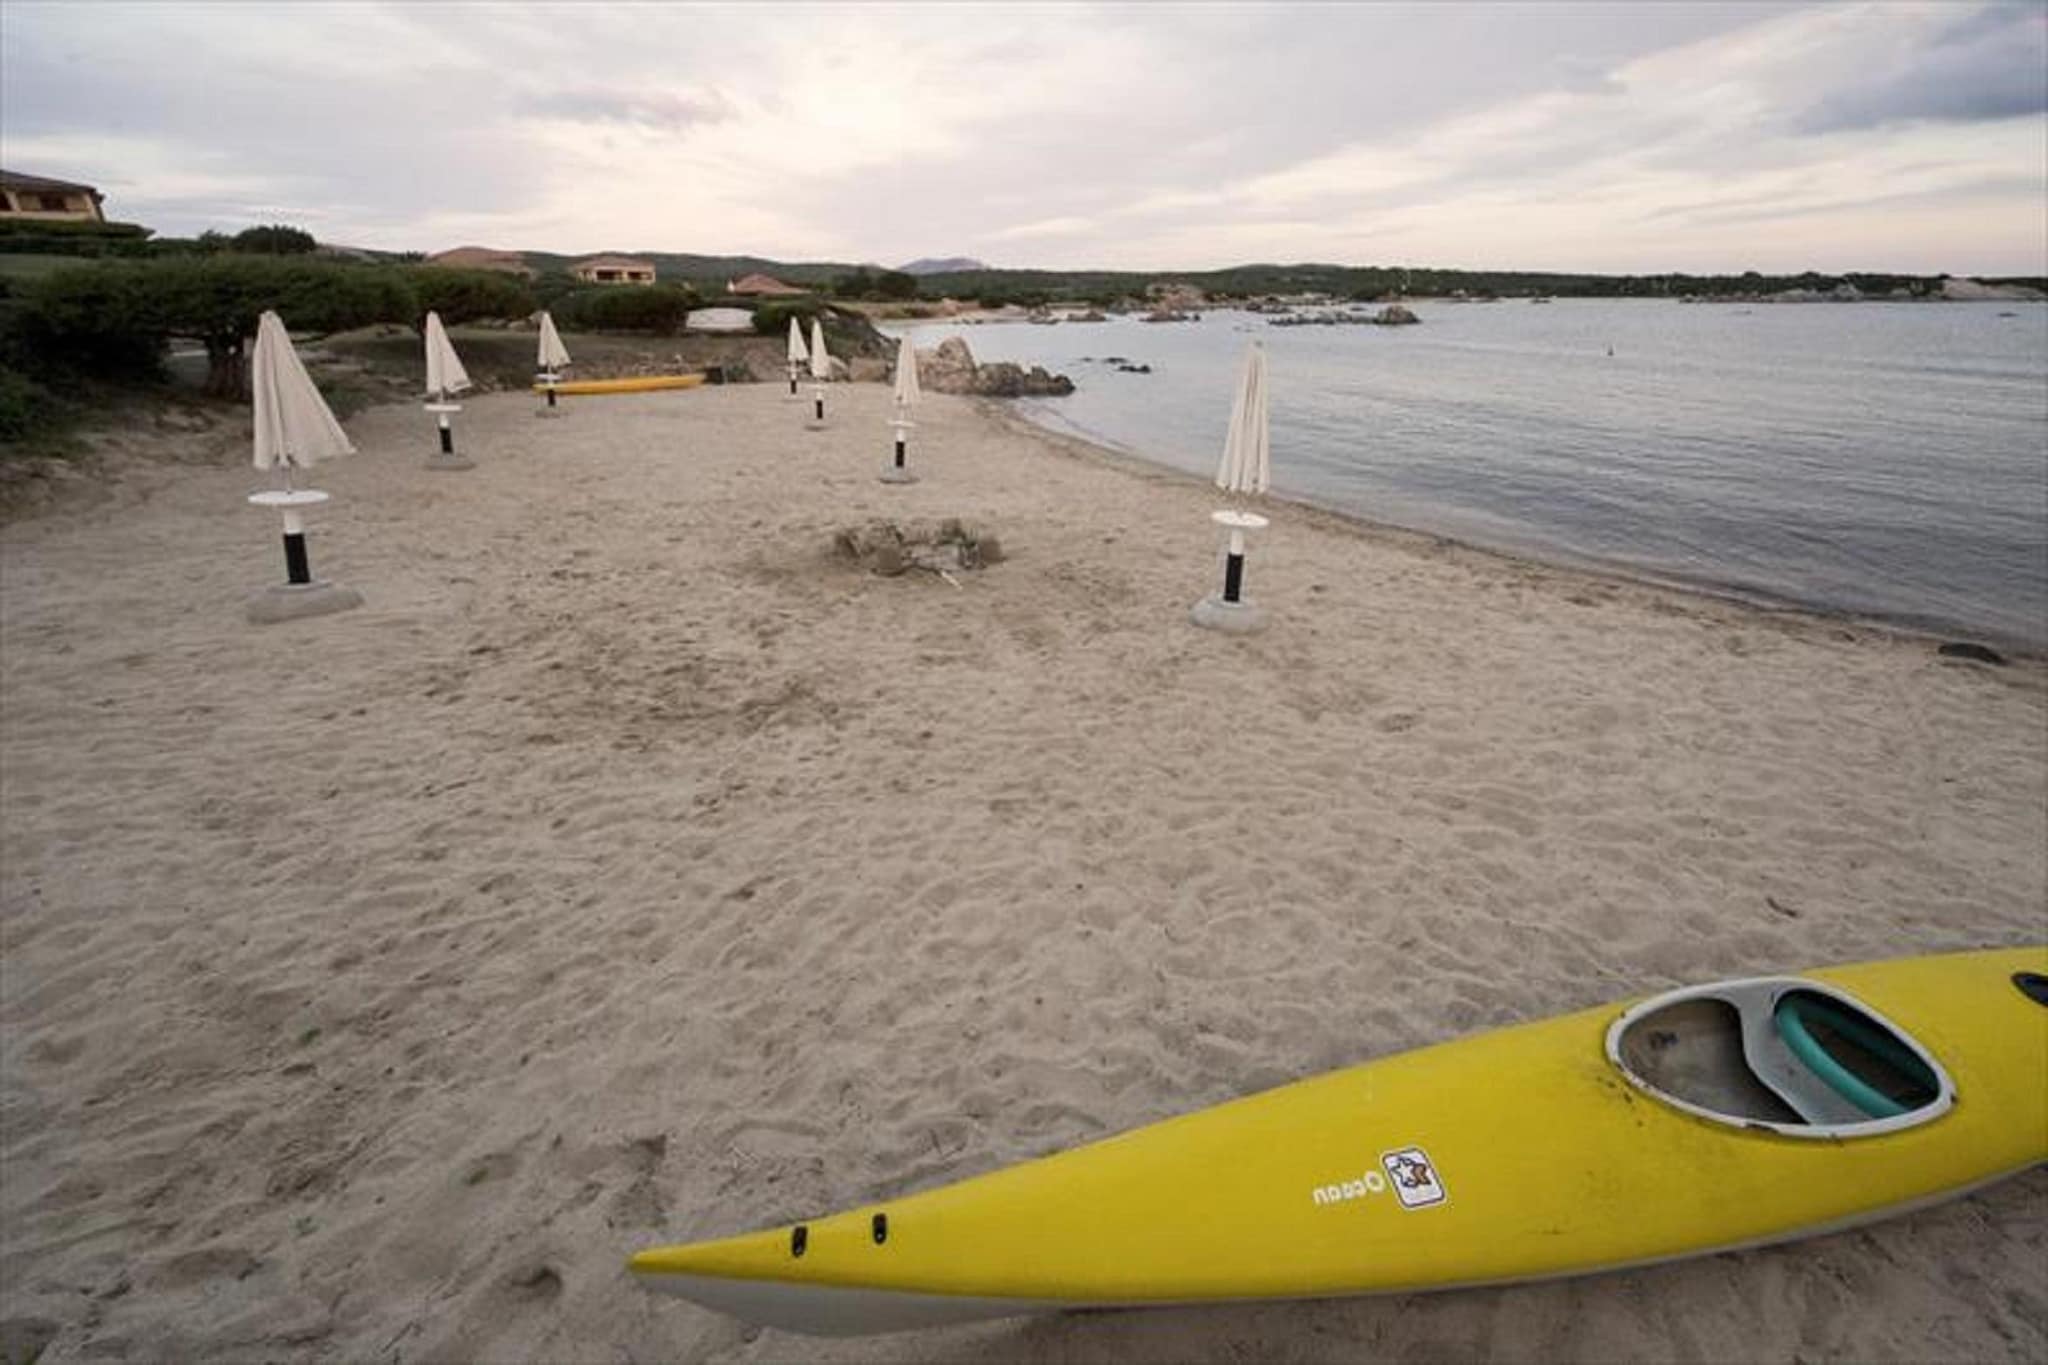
x: 1614, y: 137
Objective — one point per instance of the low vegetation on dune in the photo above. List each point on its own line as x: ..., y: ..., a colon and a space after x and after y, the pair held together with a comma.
x: 99, y: 315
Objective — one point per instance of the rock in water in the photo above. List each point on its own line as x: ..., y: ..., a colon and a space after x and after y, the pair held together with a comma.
x: 1963, y: 649
x: 1394, y: 315
x: 949, y: 369
x: 952, y: 369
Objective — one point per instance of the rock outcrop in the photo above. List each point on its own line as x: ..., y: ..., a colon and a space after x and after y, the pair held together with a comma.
x: 951, y: 368
x: 1974, y: 290
x: 1394, y: 315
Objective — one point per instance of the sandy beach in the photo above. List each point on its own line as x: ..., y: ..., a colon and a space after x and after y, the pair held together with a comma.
x: 630, y: 868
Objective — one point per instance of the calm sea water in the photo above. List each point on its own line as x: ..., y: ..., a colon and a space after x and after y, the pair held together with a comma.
x: 1885, y: 460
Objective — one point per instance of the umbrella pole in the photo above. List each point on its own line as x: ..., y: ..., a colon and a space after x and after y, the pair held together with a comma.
x: 896, y: 473
x: 447, y: 435
x: 296, y: 570
x: 818, y: 398
x: 792, y: 379
x: 1233, y: 568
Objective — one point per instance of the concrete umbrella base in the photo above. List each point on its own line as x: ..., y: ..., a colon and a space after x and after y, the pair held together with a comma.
x: 1234, y: 618
x: 437, y: 460
x: 896, y: 473
x: 292, y: 601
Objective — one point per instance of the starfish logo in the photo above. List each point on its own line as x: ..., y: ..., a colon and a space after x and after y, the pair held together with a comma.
x: 1414, y: 1178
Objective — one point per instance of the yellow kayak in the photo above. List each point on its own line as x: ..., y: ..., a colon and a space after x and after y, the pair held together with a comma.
x: 1699, y: 1120
x: 646, y: 383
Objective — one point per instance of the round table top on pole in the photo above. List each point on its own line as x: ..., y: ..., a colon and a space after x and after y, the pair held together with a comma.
x: 442, y: 407
x: 1239, y: 521
x: 296, y: 497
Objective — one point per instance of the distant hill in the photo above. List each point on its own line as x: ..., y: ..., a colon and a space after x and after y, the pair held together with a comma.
x: 962, y: 277
x: 942, y: 265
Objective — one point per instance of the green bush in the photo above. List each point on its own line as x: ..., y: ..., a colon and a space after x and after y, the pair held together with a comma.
x: 75, y: 229
x: 772, y: 319
x: 28, y: 411
x: 550, y: 287
x: 114, y: 317
x: 274, y: 240
x: 56, y: 237
x: 657, y: 309
x: 466, y: 295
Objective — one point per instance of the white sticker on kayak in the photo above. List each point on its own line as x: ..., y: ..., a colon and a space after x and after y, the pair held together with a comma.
x: 1414, y: 1178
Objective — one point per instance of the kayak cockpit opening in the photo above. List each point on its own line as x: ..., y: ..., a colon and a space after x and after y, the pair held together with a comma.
x: 1789, y: 1055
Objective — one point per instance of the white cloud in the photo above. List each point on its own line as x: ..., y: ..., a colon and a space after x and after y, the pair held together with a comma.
x: 1564, y: 135
x: 1044, y: 227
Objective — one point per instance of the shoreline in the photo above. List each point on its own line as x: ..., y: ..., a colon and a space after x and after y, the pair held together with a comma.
x: 2013, y: 648
x: 1864, y: 538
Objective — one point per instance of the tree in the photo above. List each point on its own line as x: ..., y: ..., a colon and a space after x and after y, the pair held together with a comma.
x: 894, y: 284
x: 274, y: 240
x: 117, y: 316
x: 552, y: 286
x: 857, y: 284
x: 466, y: 295
x: 660, y: 309
x: 772, y: 319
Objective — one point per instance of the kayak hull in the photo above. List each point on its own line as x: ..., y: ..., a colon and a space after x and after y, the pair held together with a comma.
x: 641, y: 384
x: 1519, y: 1154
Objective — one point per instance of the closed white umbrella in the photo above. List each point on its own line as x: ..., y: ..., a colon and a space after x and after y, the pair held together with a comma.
x: 445, y: 376
x: 821, y: 360
x: 907, y: 396
x: 1246, y: 467
x: 798, y: 356
x: 554, y: 357
x: 553, y: 354
x: 907, y: 392
x: 821, y: 368
x: 294, y: 428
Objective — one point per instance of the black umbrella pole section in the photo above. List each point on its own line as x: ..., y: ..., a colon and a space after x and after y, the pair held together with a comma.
x: 551, y: 395
x: 792, y: 381
x: 1233, y: 568
x: 818, y: 396
x: 296, y: 570
x: 447, y: 435
x: 899, y: 450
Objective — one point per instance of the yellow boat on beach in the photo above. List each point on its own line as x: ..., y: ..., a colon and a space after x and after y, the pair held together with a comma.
x: 638, y: 384
x: 1698, y: 1120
